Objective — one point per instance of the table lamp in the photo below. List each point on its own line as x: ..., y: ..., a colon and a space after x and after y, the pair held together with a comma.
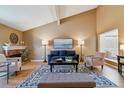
x: 122, y: 48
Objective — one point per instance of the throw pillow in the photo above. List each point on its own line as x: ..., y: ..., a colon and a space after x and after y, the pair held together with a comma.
x: 68, y: 59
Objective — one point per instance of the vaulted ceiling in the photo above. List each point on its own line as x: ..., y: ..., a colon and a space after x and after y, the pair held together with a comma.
x: 25, y: 17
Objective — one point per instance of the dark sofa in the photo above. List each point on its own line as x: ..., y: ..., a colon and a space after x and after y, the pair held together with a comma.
x: 54, y: 54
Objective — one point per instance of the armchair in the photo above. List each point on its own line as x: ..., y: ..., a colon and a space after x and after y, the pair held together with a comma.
x: 15, y: 63
x: 97, y: 60
x: 4, y: 69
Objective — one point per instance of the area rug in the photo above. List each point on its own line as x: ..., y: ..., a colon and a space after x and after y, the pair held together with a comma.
x: 36, y: 76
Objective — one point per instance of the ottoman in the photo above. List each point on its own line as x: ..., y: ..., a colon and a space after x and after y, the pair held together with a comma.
x: 66, y: 80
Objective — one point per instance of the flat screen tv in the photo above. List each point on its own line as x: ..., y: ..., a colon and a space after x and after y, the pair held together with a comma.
x: 63, y: 43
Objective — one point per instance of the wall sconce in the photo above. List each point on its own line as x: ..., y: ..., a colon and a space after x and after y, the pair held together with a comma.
x: 122, y: 48
x: 81, y: 43
x: 44, y: 43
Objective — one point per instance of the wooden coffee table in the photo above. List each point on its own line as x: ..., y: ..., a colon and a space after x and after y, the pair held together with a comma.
x: 74, y: 63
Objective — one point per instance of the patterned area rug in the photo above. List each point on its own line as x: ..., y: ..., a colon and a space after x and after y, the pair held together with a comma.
x: 36, y: 76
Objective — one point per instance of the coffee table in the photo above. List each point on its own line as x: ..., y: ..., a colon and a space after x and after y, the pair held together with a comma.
x: 73, y: 62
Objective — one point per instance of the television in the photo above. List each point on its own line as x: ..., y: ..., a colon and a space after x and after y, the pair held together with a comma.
x: 63, y: 43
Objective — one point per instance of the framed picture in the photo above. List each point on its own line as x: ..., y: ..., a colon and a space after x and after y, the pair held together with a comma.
x: 63, y: 43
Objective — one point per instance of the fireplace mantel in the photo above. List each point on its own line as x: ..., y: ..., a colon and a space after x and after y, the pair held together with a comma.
x: 6, y: 48
x: 12, y: 50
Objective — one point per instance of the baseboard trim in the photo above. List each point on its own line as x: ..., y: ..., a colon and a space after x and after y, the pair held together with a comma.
x: 36, y: 60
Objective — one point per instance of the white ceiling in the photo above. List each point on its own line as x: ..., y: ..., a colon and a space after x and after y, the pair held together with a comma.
x: 25, y: 17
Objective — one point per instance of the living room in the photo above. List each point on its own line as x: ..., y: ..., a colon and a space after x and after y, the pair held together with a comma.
x: 41, y: 49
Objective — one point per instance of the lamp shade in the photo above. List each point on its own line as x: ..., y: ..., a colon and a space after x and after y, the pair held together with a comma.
x: 2, y: 58
x: 81, y: 42
x: 121, y: 46
x: 44, y: 42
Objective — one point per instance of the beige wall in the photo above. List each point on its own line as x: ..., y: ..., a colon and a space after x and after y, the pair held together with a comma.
x: 110, y: 17
x: 82, y: 26
x: 5, y: 32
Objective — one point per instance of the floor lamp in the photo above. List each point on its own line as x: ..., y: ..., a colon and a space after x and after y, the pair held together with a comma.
x: 81, y: 43
x: 44, y: 43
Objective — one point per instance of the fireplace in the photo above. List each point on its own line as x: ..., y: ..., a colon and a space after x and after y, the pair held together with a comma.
x: 13, y: 51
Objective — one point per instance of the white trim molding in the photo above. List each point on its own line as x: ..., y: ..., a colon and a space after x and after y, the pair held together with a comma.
x: 36, y: 60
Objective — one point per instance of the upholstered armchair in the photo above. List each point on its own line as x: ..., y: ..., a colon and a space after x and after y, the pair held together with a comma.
x: 95, y: 60
x: 4, y: 69
x: 14, y: 64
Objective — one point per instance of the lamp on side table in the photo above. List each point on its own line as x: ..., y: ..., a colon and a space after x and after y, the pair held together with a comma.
x: 122, y: 49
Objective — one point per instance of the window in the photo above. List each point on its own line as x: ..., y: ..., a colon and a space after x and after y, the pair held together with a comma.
x: 108, y: 42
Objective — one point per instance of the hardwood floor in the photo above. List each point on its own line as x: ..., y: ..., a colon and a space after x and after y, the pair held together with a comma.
x: 112, y: 74
x: 27, y: 68
x: 108, y: 71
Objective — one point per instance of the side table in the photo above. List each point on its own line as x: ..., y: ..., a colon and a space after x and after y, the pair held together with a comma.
x: 120, y: 64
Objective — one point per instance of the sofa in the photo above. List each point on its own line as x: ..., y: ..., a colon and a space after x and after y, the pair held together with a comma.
x: 54, y: 54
